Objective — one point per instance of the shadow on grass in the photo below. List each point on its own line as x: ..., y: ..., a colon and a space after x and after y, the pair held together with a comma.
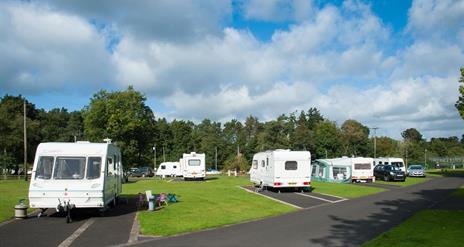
x: 353, y: 231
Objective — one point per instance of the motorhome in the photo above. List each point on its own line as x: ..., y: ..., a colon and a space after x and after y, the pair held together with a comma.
x: 398, y: 162
x: 171, y: 169
x: 193, y: 166
x: 281, y: 168
x: 75, y: 175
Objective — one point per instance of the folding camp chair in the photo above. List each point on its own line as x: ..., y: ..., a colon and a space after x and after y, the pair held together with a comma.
x: 172, y: 197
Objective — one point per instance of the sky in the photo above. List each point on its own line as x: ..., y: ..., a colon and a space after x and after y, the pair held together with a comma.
x: 392, y: 64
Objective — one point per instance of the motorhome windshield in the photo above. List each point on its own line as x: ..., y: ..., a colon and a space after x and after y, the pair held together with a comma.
x: 362, y: 166
x: 398, y: 164
x: 194, y: 162
x: 44, y: 167
x: 69, y: 168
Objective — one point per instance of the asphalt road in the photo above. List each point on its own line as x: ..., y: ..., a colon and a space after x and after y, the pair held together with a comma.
x: 347, y: 223
x: 52, y: 229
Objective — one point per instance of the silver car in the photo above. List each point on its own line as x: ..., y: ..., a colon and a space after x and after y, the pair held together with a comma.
x: 416, y: 171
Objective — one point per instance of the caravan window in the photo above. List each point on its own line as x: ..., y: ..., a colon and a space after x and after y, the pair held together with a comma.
x: 163, y: 167
x: 69, y: 168
x: 255, y: 164
x: 313, y: 170
x: 263, y: 163
x: 174, y: 167
x: 365, y: 166
x: 109, y: 166
x: 291, y: 165
x: 93, y: 167
x: 44, y: 167
x: 194, y: 162
x: 339, y: 173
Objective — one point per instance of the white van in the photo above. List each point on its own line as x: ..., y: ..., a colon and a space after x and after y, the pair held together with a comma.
x: 398, y: 162
x: 171, y: 169
x: 281, y: 169
x: 193, y: 166
x: 75, y: 175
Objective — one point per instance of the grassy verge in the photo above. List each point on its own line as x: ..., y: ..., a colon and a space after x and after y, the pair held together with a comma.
x: 11, y: 191
x: 203, y: 205
x: 446, y: 172
x: 344, y: 190
x: 426, y: 228
x: 459, y: 193
x: 409, y: 181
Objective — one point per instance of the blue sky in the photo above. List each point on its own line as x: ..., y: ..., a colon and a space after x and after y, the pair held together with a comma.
x: 392, y: 64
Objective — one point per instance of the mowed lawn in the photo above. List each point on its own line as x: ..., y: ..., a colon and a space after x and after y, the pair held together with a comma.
x: 344, y: 190
x: 409, y: 181
x: 11, y: 191
x: 426, y: 228
x: 202, y: 204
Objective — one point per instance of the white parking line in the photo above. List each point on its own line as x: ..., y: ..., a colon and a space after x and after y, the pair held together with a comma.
x: 320, y: 198
x: 277, y: 200
x: 339, y: 197
x: 67, y: 242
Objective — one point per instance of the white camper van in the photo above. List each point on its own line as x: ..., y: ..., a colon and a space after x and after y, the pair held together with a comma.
x: 193, y: 166
x: 75, y: 175
x: 281, y: 169
x: 171, y: 169
x: 390, y: 161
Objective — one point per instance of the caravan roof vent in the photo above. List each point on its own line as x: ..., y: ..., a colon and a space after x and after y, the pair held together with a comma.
x: 107, y: 140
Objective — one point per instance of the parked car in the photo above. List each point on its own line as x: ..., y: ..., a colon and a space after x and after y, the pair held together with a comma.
x: 134, y: 172
x: 146, y: 171
x: 416, y: 171
x: 389, y: 172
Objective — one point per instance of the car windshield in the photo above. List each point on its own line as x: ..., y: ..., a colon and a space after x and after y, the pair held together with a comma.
x: 395, y: 168
x: 415, y: 167
x: 398, y: 164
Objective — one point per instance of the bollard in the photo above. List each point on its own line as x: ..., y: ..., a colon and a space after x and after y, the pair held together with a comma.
x: 21, y: 210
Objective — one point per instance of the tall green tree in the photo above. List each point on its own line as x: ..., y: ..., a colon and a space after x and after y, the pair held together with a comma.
x: 123, y: 117
x: 460, y: 103
x: 412, y: 135
x: 302, y: 136
x: 328, y: 140
x: 355, y: 138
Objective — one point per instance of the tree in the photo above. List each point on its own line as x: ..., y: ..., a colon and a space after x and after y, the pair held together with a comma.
x: 237, y: 161
x: 302, y: 136
x: 460, y: 103
x: 123, y: 117
x: 412, y: 135
x: 327, y: 138
x: 313, y: 118
x: 355, y: 138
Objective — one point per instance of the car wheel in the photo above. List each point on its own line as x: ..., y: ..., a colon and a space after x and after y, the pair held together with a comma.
x: 385, y: 178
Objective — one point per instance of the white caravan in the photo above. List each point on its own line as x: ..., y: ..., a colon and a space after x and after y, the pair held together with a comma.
x: 362, y: 169
x: 390, y: 161
x: 75, y: 175
x: 281, y: 169
x: 171, y: 169
x: 193, y: 166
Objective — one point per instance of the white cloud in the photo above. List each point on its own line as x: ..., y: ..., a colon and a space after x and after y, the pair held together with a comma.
x: 44, y: 50
x: 278, y: 10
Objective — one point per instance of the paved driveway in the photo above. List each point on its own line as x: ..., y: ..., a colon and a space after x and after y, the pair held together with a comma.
x: 347, y: 223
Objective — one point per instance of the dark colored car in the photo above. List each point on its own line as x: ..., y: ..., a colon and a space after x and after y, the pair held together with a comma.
x: 146, y: 171
x: 389, y: 173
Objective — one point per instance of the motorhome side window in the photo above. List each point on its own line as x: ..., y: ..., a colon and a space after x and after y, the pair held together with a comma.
x: 93, y: 167
x: 263, y: 163
x: 69, y: 168
x: 255, y: 164
x: 109, y: 166
x: 44, y: 167
x: 291, y: 165
x: 195, y: 162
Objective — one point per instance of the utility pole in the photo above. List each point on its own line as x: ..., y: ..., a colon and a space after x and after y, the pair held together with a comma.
x: 215, y: 158
x: 154, y: 157
x: 425, y: 158
x: 375, y: 140
x: 25, y: 141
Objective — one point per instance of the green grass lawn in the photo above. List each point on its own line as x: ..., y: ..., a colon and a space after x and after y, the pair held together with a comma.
x: 409, y: 181
x: 203, y: 205
x: 445, y: 172
x: 426, y: 228
x: 344, y: 190
x: 11, y: 191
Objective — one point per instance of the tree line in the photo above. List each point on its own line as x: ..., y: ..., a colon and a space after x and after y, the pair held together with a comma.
x: 124, y: 117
